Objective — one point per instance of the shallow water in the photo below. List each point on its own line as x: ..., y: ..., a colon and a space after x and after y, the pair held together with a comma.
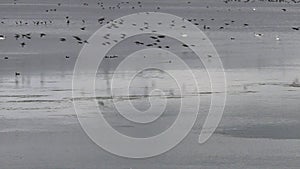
x: 259, y: 128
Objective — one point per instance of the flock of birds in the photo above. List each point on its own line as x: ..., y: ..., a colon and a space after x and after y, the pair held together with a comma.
x: 24, y: 38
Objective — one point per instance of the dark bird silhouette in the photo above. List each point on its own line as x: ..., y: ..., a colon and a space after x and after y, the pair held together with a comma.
x: 185, y: 45
x: 23, y: 44
x: 28, y: 36
x: 206, y: 27
x: 62, y: 39
x: 6, y: 57
x: 77, y: 38
x: 153, y: 37
x: 81, y: 42
x: 101, y: 19
x: 42, y: 35
x: 114, y: 56
x: 17, y: 73
x: 296, y: 28
x: 138, y: 43
x: 83, y: 28
x: 67, y: 57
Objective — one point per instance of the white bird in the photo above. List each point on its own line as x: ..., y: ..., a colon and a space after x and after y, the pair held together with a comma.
x: 184, y: 35
x: 277, y: 38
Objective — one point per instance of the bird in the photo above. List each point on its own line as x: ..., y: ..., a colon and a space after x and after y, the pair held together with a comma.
x: 153, y: 37
x: 77, y: 38
x: 83, y: 28
x: 185, y: 45
x: 138, y: 43
x: 206, y: 27
x: 100, y: 20
x: 161, y: 36
x: 62, y: 39
x: 277, y: 38
x: 296, y: 28
x: 28, y: 35
x: 67, y: 57
x: 6, y: 57
x: 23, y: 44
x: 184, y: 35
x: 123, y: 36
x: 42, y: 35
x: 2, y: 37
x: 17, y: 73
x: 258, y: 34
